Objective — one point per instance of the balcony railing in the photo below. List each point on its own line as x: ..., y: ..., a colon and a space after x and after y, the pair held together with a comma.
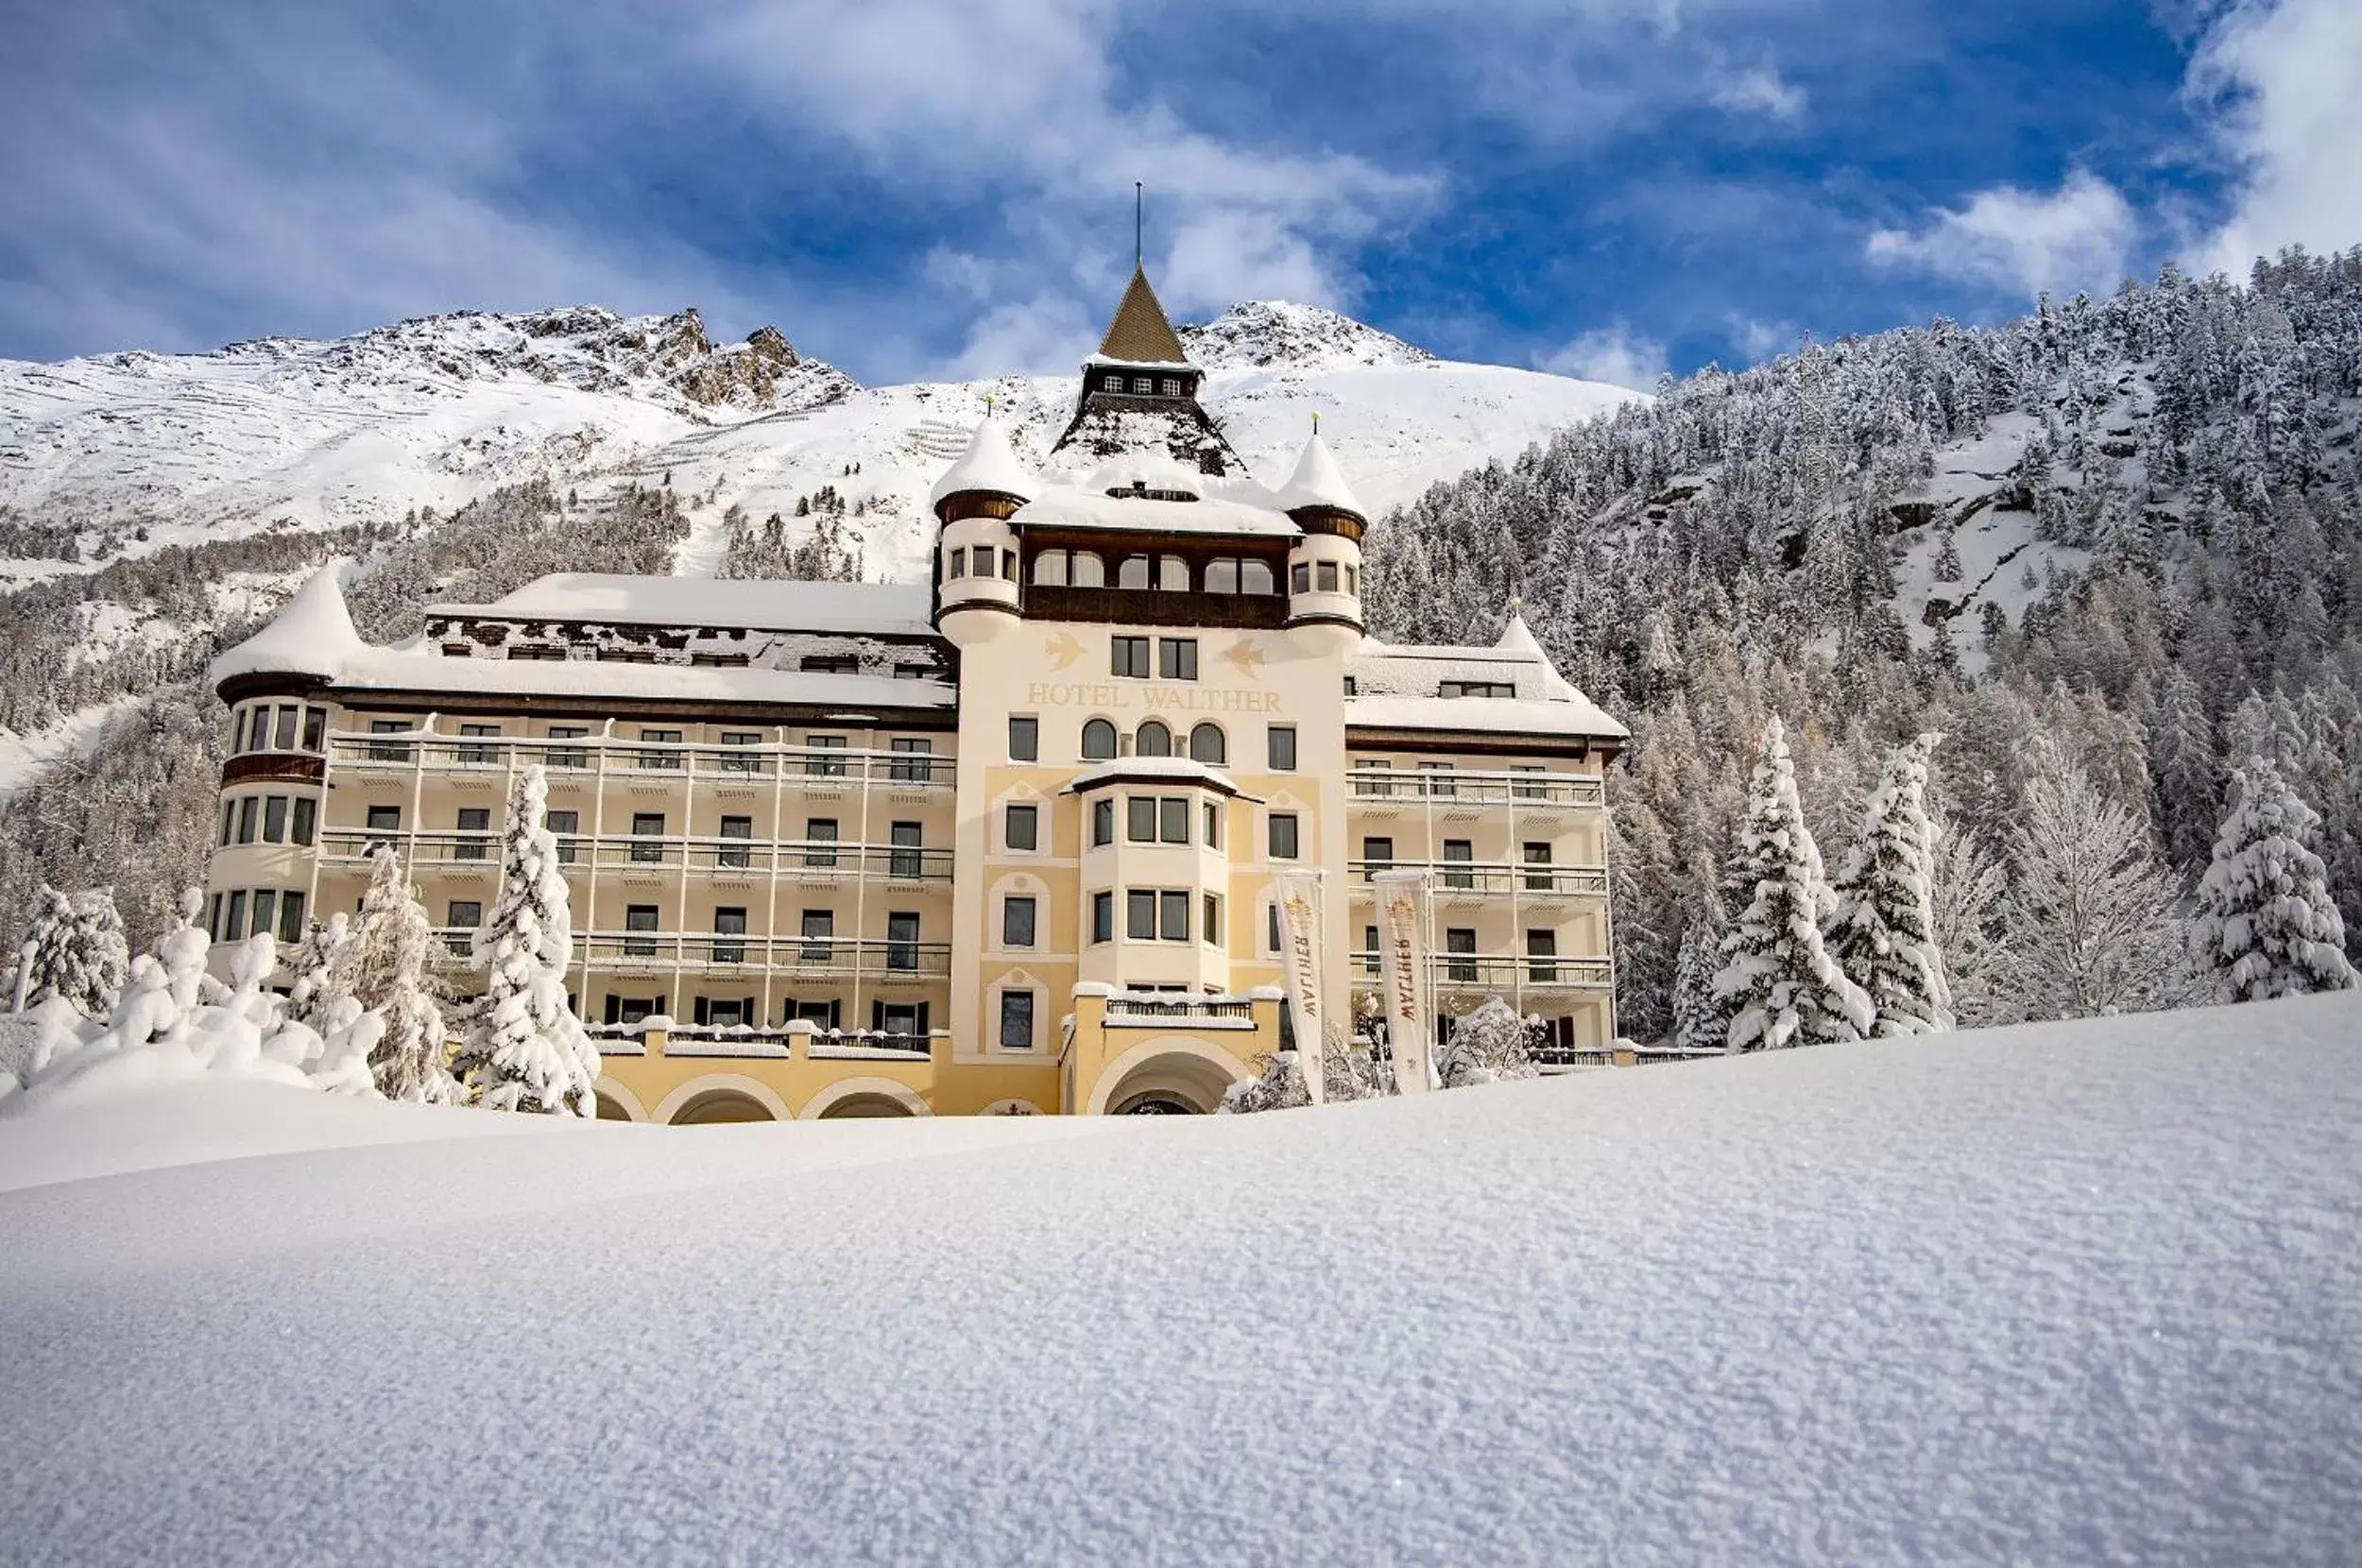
x: 1497, y: 878
x: 628, y: 758
x: 804, y: 860
x: 1505, y: 972
x: 875, y: 958
x: 1472, y: 787
x: 726, y: 953
x: 1179, y: 1005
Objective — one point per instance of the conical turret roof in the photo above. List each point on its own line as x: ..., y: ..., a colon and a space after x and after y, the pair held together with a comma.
x: 313, y: 636
x: 1518, y: 637
x: 988, y: 464
x: 1317, y: 483
x: 1140, y: 332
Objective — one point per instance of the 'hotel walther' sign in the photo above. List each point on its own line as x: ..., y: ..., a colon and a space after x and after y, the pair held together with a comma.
x: 1156, y: 698
x: 1402, y: 970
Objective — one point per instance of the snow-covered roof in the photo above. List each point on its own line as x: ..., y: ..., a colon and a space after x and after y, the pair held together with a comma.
x: 1411, y: 670
x: 1484, y: 716
x: 879, y: 609
x: 313, y: 636
x: 988, y: 464
x: 1078, y: 507
x: 414, y: 669
x: 1160, y: 769
x: 1317, y: 483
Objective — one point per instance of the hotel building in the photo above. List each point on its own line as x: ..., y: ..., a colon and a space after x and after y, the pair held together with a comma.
x: 997, y: 842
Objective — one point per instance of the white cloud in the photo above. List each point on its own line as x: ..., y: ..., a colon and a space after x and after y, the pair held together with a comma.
x: 1615, y: 354
x: 2286, y: 79
x: 1757, y: 341
x: 2080, y: 237
x: 1754, y: 90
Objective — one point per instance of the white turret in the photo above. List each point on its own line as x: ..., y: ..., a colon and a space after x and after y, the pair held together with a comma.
x: 1325, y: 566
x: 976, y: 553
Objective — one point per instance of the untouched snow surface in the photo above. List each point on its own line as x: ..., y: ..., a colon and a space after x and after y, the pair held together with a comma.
x: 2072, y: 1294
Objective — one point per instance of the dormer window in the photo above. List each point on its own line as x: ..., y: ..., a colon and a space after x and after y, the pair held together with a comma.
x: 1142, y: 383
x: 1173, y: 386
x: 1113, y: 384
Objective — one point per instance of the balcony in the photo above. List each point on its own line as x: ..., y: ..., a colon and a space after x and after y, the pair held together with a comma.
x: 1481, y: 974
x: 806, y: 862
x: 1385, y: 789
x: 623, y: 758
x: 1457, y: 880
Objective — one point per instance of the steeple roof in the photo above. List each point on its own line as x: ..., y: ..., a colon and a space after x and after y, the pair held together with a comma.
x: 988, y: 464
x: 1141, y: 334
x: 1317, y: 483
x: 313, y: 636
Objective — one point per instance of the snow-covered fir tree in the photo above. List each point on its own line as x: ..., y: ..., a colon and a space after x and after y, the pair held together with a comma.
x: 2091, y: 926
x: 317, y: 963
x: 385, y: 972
x: 1969, y: 890
x: 77, y: 953
x: 1882, y: 933
x: 527, y: 1050
x: 1487, y: 1046
x: 1778, y: 975
x: 2266, y: 925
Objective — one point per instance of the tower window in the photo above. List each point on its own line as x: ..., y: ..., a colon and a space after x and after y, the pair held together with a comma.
x: 959, y: 562
x: 1142, y: 383
x: 1113, y: 384
x: 1325, y: 574
x: 1173, y: 386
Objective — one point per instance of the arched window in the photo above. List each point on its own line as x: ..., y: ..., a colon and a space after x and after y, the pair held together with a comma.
x: 1067, y: 569
x: 1206, y: 745
x: 1221, y: 575
x: 1133, y: 573
x: 1089, y: 571
x: 1050, y: 568
x: 1172, y: 573
x: 1257, y: 577
x: 1155, y: 740
x: 1099, y: 741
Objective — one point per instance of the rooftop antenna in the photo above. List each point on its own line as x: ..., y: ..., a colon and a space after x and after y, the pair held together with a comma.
x: 1137, y: 230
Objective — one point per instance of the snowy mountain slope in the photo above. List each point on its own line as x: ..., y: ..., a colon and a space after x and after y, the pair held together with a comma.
x: 437, y: 411
x: 425, y: 413
x: 2080, y: 1292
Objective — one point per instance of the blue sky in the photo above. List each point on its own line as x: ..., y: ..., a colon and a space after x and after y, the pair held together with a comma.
x: 915, y: 187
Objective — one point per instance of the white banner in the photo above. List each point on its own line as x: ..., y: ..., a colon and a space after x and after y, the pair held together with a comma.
x: 1402, y: 900
x: 1299, y: 893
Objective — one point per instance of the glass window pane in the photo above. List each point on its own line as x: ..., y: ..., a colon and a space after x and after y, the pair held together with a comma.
x: 284, y: 740
x: 1103, y: 822
x: 1024, y: 822
x: 1016, y: 1020
x: 275, y: 820
x: 1173, y: 820
x: 306, y: 819
x: 291, y: 917
x: 315, y: 729
x: 1257, y: 577
x: 1222, y: 576
x: 1024, y: 738
x: 1154, y: 740
x: 248, y: 812
x: 1208, y: 746
x: 1017, y: 923
x: 1139, y: 916
x: 1102, y: 916
x: 1050, y: 568
x: 1172, y: 573
x: 1133, y: 573
x: 1140, y: 819
x: 1090, y: 570
x: 1281, y: 748
x: 1174, y: 919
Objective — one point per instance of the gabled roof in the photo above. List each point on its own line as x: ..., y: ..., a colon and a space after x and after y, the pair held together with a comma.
x: 1141, y: 334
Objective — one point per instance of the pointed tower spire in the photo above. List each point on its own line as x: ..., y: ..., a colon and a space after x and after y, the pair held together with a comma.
x: 313, y: 636
x: 1140, y: 332
x: 1317, y: 483
x: 988, y: 466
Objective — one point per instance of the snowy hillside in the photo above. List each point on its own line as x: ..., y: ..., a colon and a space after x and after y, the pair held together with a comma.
x: 2072, y: 1294
x: 438, y: 411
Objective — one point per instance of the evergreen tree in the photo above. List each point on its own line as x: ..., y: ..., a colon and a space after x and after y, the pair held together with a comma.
x: 1487, y: 1046
x: 1969, y: 887
x: 2182, y: 761
x: 318, y: 963
x: 2091, y: 928
x: 78, y: 952
x: 386, y: 971
x: 1883, y: 931
x: 1784, y: 987
x: 48, y: 953
x: 2266, y: 925
x: 527, y: 1049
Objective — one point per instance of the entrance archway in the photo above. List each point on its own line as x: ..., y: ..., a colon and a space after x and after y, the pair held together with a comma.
x: 1173, y: 1075
x: 855, y: 1107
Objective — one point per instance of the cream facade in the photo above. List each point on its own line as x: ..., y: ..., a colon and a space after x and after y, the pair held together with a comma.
x: 999, y: 841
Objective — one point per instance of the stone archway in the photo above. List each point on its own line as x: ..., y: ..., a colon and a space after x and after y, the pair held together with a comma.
x: 617, y: 1103
x: 857, y: 1098
x: 720, y: 1097
x: 717, y: 1107
x: 1173, y: 1075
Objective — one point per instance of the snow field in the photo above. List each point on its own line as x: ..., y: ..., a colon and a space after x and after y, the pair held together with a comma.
x: 2065, y: 1293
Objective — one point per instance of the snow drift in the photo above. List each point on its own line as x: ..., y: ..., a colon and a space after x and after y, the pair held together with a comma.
x: 2080, y: 1292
